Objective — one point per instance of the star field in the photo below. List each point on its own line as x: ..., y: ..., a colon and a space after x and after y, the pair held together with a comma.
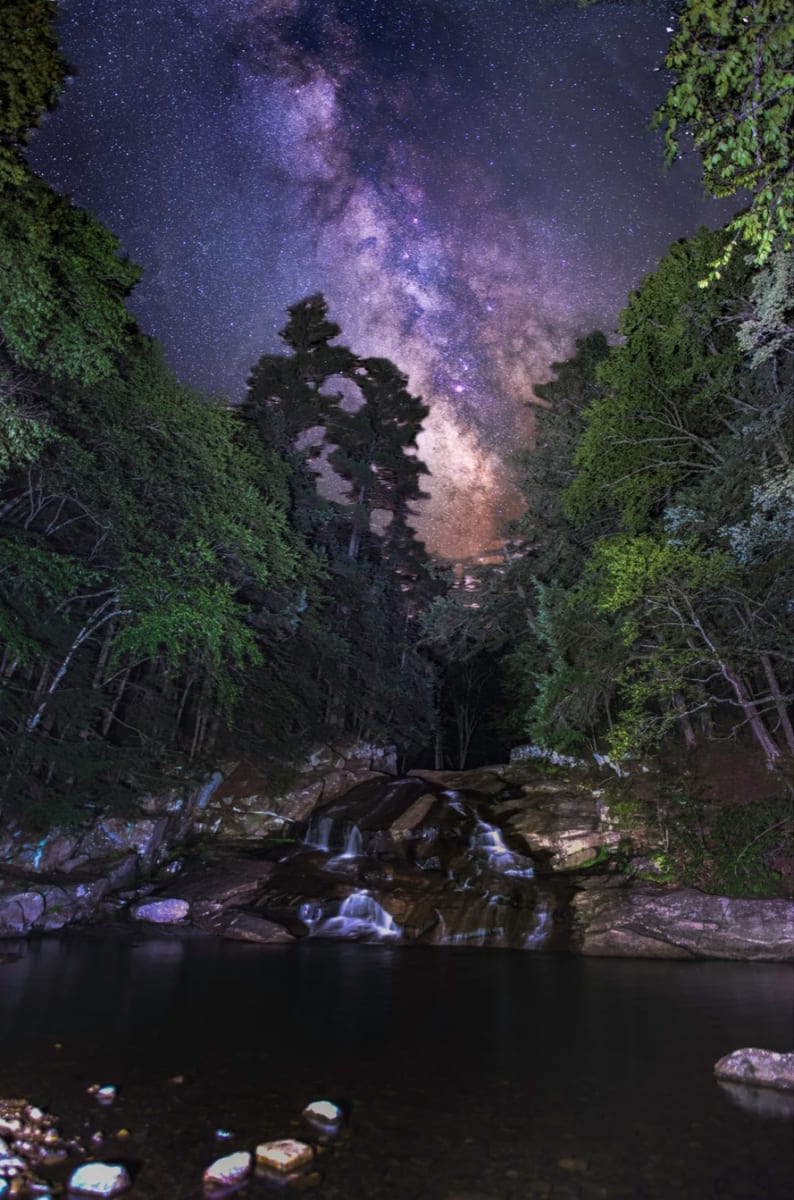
x: 471, y: 183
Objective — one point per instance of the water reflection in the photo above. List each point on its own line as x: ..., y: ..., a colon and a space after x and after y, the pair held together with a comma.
x: 492, y: 1067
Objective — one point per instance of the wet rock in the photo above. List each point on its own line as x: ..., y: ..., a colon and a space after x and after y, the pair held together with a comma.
x: 161, y: 912
x: 48, y: 906
x: 229, y: 1171
x: 653, y: 922
x: 324, y: 1112
x: 144, y: 837
x: 221, y: 885
x: 284, y: 1156
x: 19, y: 912
x: 248, y: 927
x: 99, y: 1179
x: 298, y: 804
x: 762, y: 1068
x: 412, y: 816
x: 486, y: 781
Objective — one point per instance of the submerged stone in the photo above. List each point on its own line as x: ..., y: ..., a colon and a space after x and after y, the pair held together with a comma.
x: 286, y: 1155
x: 323, y: 1111
x: 228, y: 1171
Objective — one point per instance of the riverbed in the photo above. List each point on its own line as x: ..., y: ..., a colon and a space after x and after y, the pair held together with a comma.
x: 465, y: 1074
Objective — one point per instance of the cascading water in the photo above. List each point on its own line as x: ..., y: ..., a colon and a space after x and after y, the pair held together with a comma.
x: 487, y: 841
x: 359, y: 917
x: 318, y: 833
x: 354, y: 846
x: 539, y: 935
x: 449, y: 873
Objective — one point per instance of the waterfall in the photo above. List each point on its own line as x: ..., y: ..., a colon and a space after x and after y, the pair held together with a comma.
x: 318, y: 833
x: 359, y: 917
x: 487, y: 840
x: 354, y: 847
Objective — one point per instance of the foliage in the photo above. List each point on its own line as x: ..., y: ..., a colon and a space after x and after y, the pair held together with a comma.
x: 62, y: 286
x: 747, y: 845
x: 31, y: 75
x: 733, y: 94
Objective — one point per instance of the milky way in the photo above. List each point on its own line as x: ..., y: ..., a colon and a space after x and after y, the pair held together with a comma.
x: 471, y: 183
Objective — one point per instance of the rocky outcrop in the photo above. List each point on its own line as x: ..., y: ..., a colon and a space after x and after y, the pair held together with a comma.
x: 38, y: 907
x: 65, y: 876
x: 501, y: 856
x: 614, y: 919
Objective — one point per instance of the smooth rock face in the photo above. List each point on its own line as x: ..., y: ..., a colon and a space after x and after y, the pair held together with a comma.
x: 412, y: 816
x: 567, y: 825
x: 761, y: 1068
x: 651, y: 922
x: 248, y: 927
x: 99, y: 1179
x: 229, y: 1170
x: 161, y: 912
x: 286, y: 1155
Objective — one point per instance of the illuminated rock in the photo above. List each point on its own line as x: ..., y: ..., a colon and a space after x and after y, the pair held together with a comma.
x: 324, y: 1112
x: 161, y: 912
x: 284, y: 1156
x: 228, y: 1171
x: 761, y: 1068
x: 99, y: 1179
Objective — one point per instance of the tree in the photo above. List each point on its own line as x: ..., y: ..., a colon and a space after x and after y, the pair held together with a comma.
x: 322, y: 402
x: 734, y: 95
x: 688, y: 451
x: 32, y: 71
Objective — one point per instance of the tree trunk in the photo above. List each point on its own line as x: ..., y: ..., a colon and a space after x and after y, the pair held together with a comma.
x: 746, y: 703
x: 686, y: 725
x: 780, y: 703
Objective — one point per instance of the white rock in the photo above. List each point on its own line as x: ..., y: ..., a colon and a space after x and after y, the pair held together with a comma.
x: 99, y: 1179
x: 286, y: 1155
x: 106, y: 1095
x: 229, y: 1170
x: 324, y: 1111
x: 162, y: 912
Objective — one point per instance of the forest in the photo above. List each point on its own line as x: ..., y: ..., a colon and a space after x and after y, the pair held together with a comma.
x: 179, y: 585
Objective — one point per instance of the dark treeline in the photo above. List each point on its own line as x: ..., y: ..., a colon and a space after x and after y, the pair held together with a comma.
x: 173, y: 584
x: 651, y: 596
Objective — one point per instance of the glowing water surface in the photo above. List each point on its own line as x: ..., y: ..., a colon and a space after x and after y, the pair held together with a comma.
x: 490, y: 1073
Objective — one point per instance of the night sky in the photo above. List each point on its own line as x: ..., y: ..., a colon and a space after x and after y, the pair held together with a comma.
x: 471, y: 183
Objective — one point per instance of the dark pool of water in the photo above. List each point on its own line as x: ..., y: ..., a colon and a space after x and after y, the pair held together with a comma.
x: 468, y: 1074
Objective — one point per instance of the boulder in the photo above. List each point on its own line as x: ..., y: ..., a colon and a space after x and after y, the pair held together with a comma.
x: 99, y: 1179
x: 654, y: 922
x: 170, y: 911
x: 48, y: 906
x: 760, y: 1068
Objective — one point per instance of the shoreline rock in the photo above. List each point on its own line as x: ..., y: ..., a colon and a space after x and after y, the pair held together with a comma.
x: 758, y: 1068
